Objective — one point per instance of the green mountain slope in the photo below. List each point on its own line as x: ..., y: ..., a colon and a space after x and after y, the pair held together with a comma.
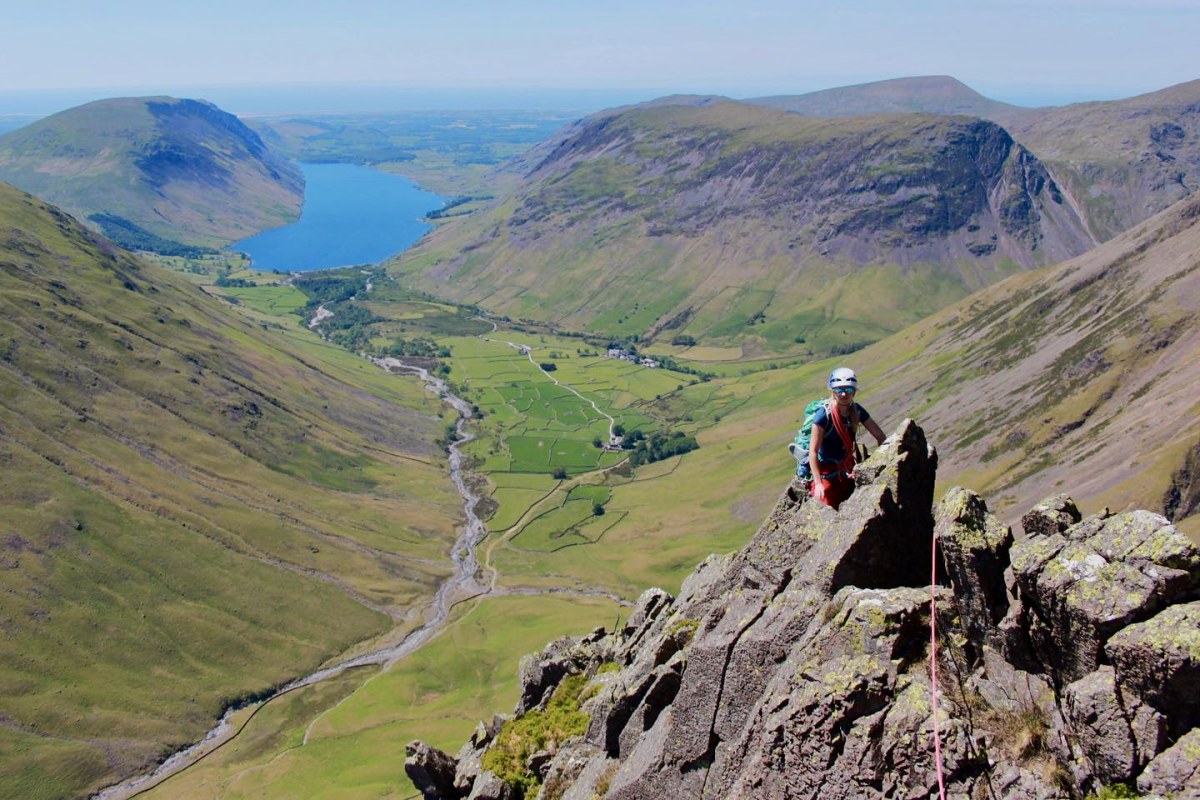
x: 194, y: 507
x: 181, y: 170
x: 728, y: 222
x: 1119, y: 162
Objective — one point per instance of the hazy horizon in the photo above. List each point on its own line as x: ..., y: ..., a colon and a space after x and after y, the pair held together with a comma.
x: 292, y: 98
x: 572, y: 55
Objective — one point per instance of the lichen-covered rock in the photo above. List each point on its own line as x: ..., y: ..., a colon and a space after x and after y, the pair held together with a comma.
x: 1083, y: 590
x: 1159, y: 660
x: 648, y: 609
x: 1117, y: 733
x: 431, y: 771
x: 1052, y: 515
x: 1175, y: 773
x: 974, y: 545
x: 574, y: 771
x: 470, y: 755
x: 489, y: 787
x: 1101, y: 726
x: 849, y: 712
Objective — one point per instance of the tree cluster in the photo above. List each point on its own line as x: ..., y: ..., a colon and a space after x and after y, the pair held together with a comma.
x: 657, y: 446
x: 132, y: 236
x: 417, y: 348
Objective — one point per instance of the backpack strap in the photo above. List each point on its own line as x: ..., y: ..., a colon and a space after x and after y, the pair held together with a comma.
x: 846, y: 434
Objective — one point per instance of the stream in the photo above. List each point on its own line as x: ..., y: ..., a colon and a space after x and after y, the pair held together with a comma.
x: 463, y: 584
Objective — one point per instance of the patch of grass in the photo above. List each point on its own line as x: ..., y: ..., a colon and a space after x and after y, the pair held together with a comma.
x: 535, y: 731
x: 1116, y: 791
x: 556, y: 528
x: 596, y: 494
x: 277, y: 301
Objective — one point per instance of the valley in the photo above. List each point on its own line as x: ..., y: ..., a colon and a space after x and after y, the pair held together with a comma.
x: 210, y: 491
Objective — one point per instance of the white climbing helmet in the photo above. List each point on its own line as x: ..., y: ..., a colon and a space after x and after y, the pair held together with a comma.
x: 842, y: 377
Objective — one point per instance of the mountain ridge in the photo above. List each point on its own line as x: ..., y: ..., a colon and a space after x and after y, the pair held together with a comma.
x: 938, y: 94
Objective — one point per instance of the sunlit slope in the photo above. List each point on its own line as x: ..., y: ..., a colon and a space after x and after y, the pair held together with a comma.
x: 730, y: 222
x: 193, y: 507
x: 182, y: 170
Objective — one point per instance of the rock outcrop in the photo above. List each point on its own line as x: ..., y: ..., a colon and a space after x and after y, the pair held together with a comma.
x: 1068, y: 660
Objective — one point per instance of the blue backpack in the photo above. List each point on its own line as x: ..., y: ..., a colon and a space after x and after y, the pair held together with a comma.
x: 799, y: 448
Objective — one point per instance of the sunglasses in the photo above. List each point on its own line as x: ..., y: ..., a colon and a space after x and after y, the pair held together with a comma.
x: 845, y: 390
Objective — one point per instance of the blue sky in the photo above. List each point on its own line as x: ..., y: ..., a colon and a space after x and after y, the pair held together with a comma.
x: 1021, y: 51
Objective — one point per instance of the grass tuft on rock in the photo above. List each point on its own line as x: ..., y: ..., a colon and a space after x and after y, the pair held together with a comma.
x: 537, y: 731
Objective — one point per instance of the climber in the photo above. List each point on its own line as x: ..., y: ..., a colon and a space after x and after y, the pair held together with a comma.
x: 831, y: 454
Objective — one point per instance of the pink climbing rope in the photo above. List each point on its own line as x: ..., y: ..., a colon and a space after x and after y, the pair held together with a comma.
x: 933, y: 681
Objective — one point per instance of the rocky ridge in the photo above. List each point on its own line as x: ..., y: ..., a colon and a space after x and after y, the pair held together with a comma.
x: 1068, y: 660
x: 1119, y: 161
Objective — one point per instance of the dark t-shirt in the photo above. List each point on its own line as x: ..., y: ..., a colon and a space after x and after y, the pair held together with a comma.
x: 832, y: 451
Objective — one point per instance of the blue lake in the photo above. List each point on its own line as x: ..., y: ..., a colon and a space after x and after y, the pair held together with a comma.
x: 352, y: 215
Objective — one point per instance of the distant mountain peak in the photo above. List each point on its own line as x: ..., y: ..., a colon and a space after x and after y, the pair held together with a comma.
x: 936, y: 94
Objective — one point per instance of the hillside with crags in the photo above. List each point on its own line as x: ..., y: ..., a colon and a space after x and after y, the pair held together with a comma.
x: 727, y: 222
x: 1118, y: 161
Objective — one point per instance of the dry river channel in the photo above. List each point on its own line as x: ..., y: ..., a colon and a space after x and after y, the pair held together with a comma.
x: 464, y: 583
